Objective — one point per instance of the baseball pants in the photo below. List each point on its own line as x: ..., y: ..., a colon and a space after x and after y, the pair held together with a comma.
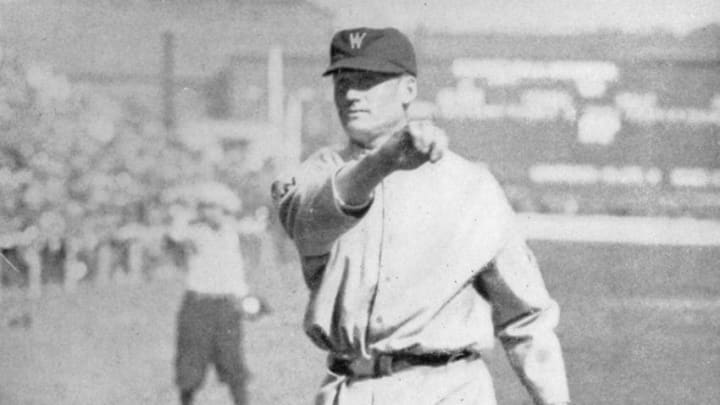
x: 209, y: 331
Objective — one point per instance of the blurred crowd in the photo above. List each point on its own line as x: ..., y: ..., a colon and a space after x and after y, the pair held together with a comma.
x: 89, y: 182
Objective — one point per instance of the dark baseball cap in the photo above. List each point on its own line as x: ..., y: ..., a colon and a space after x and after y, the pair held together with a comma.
x: 385, y: 50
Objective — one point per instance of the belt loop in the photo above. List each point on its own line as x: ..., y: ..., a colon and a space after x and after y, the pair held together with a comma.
x: 384, y: 365
x: 458, y: 356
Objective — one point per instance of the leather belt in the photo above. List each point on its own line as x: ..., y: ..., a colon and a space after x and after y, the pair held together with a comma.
x: 385, y: 364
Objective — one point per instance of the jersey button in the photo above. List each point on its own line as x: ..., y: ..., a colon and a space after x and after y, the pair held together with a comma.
x: 379, y: 319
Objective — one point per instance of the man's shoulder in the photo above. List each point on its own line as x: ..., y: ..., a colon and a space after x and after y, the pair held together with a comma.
x: 315, y: 168
x: 324, y: 157
x: 478, y: 186
x: 471, y: 170
x: 319, y: 162
x: 470, y: 178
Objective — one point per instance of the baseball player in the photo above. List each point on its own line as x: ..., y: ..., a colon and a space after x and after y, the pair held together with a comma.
x: 209, y: 327
x: 410, y: 252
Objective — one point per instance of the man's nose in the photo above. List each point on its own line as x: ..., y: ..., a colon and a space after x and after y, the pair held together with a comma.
x: 353, y: 94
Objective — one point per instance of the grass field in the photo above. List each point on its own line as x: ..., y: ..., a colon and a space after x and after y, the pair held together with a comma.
x: 640, y: 325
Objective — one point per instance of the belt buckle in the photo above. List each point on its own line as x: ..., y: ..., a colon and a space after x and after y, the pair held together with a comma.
x: 380, y: 365
x: 362, y: 367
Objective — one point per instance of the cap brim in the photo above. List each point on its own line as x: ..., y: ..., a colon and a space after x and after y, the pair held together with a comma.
x: 362, y: 63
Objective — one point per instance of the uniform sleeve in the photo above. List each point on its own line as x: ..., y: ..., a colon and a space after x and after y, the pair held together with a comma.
x: 309, y: 209
x: 525, y: 317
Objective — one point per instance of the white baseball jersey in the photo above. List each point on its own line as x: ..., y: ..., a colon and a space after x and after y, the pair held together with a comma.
x: 433, y: 264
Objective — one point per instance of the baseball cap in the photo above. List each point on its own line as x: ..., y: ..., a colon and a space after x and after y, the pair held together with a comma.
x: 385, y: 50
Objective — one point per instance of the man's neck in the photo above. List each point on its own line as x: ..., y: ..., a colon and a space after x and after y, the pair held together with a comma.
x: 376, y: 140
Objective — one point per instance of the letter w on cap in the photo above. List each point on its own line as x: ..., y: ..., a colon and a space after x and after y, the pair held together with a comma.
x: 356, y: 39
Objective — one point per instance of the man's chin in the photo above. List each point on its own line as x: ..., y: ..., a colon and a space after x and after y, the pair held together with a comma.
x: 359, y: 133
x: 357, y: 125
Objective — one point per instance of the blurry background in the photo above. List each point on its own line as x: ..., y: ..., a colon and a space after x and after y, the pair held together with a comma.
x: 601, y: 119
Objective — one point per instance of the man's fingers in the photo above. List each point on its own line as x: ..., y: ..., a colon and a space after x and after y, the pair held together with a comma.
x: 418, y: 134
x: 420, y: 142
x: 439, y: 146
x: 436, y: 152
x: 421, y: 145
x: 428, y: 139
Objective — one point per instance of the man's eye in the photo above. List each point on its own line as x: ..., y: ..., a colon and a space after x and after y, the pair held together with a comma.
x: 343, y: 83
x: 360, y: 82
x: 366, y: 83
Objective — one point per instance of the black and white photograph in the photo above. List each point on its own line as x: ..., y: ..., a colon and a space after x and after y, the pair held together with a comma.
x: 283, y: 202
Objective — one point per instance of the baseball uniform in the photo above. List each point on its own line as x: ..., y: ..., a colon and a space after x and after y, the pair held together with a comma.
x: 406, y: 290
x: 209, y: 324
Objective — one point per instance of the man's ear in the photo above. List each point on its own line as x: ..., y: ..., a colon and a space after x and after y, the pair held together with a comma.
x: 408, y: 89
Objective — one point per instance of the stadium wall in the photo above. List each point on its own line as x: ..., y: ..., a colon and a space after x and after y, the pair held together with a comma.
x: 622, y: 137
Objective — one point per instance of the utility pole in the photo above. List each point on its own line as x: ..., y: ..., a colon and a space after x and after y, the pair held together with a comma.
x: 276, y: 87
x: 168, y: 81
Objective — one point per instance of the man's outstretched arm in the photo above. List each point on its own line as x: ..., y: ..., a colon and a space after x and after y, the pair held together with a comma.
x: 416, y: 144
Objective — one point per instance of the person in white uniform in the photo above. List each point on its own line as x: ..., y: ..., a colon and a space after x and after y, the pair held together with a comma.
x: 209, y: 324
x: 410, y: 252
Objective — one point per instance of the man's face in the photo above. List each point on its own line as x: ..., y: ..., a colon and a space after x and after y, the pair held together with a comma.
x: 371, y: 104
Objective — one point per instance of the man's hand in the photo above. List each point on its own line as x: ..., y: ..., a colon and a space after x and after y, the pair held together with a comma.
x: 416, y: 144
x: 408, y: 149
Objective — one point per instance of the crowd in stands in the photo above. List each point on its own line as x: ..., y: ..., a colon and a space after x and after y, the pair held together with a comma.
x: 85, y: 179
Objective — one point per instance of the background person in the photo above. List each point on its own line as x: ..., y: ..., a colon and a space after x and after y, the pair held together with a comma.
x: 209, y: 324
